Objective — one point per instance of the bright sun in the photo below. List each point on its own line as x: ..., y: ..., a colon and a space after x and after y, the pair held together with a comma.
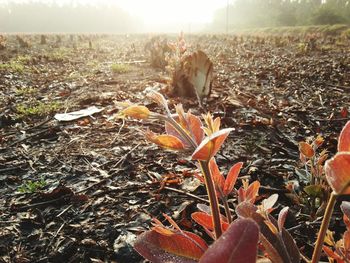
x: 154, y: 12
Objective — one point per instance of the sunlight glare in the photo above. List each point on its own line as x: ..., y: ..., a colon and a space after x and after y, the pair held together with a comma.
x: 154, y: 12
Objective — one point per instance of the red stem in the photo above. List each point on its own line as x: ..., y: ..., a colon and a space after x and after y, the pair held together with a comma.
x: 213, y: 199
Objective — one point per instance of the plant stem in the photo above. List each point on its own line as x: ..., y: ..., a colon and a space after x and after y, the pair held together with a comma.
x: 227, y: 209
x: 213, y: 199
x: 323, y: 230
x: 209, y: 184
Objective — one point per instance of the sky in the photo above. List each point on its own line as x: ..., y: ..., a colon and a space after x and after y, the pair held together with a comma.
x: 154, y: 12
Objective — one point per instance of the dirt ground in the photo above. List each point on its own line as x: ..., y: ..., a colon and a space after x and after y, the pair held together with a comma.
x: 81, y: 191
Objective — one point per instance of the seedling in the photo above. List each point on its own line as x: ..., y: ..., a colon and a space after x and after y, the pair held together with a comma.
x: 58, y: 55
x: 316, y: 189
x: 32, y: 186
x: 26, y: 91
x: 12, y: 66
x: 37, y: 109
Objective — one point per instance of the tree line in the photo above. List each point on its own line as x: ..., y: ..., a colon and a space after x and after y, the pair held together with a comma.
x: 73, y: 18
x: 44, y: 17
x: 271, y: 13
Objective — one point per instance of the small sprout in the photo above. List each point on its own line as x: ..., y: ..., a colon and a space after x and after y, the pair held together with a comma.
x: 32, y: 187
x: 248, y: 192
x: 37, y: 109
x: 318, y: 141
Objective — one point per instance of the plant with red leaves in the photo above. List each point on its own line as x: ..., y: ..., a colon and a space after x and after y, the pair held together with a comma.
x: 337, y: 171
x: 233, y: 241
x: 316, y: 192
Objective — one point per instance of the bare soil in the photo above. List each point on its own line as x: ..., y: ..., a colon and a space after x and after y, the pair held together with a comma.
x: 103, y: 182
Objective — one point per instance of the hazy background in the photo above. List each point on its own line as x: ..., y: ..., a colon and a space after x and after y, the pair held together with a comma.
x: 143, y: 16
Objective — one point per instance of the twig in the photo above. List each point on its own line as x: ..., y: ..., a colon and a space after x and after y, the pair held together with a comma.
x: 333, y: 85
x: 9, y: 222
x: 28, y: 137
x: 304, y: 258
x: 92, y: 186
x: 332, y: 120
x: 117, y: 189
x: 65, y: 210
x: 118, y: 133
x: 192, y: 196
x: 274, y: 190
x: 23, y: 208
x: 186, y: 193
x: 55, y: 235
x: 316, y: 222
x: 39, y: 124
x: 126, y: 155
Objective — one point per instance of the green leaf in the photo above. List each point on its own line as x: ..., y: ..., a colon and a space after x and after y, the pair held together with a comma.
x: 314, y: 190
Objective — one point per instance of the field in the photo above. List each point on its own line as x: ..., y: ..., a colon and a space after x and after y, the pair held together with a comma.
x: 82, y: 190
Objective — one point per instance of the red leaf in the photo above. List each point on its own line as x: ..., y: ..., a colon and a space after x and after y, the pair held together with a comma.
x: 344, y: 139
x: 191, y: 124
x: 218, y: 178
x: 282, y: 217
x: 346, y: 221
x: 338, y: 173
x: 346, y: 239
x: 241, y: 195
x: 332, y: 254
x: 318, y: 141
x: 163, y: 230
x: 237, y: 245
x: 344, y: 112
x: 306, y: 149
x: 195, y: 126
x: 206, y: 221
x: 210, y: 145
x: 166, y: 141
x: 182, y: 247
x: 232, y: 178
x: 252, y: 192
x: 170, y: 130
